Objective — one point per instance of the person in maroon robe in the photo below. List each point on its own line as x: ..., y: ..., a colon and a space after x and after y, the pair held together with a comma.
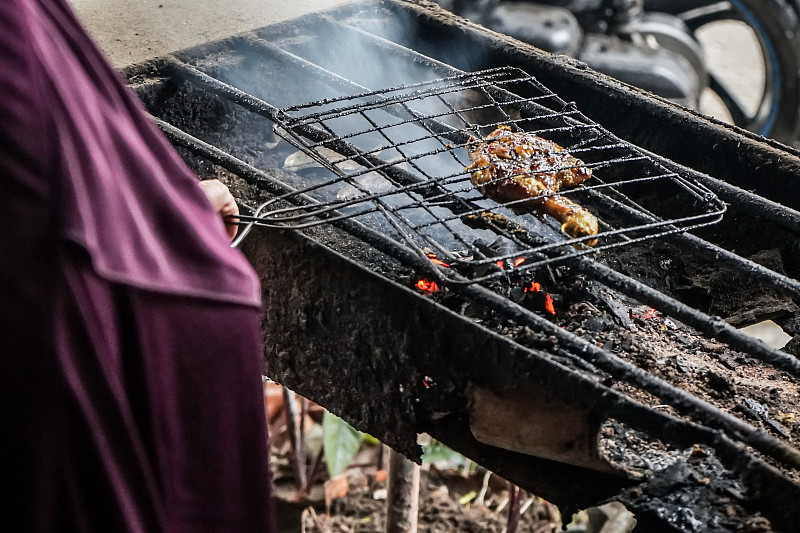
x: 129, y: 329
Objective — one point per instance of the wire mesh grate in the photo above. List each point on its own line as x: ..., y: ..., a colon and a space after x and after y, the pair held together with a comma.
x: 397, y: 161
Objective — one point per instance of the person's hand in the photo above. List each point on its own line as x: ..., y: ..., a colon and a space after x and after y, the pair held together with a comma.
x: 223, y: 202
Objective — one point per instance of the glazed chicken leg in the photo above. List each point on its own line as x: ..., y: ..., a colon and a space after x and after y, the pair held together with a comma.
x: 511, y: 166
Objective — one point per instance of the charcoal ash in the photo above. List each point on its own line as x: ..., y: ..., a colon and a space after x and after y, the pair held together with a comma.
x: 697, y: 475
x: 655, y: 343
x: 712, y: 287
x: 675, y: 478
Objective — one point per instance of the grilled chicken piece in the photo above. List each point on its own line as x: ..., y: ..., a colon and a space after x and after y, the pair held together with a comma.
x: 509, y: 166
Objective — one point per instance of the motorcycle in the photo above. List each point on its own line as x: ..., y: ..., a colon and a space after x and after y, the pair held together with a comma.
x: 659, y: 46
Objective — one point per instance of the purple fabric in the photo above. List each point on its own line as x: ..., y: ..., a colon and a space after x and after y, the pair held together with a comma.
x: 129, y: 200
x: 130, y: 349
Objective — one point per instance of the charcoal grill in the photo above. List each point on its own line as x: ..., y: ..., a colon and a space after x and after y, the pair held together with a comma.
x: 340, y: 307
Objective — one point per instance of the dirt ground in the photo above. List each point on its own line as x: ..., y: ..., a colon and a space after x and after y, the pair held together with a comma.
x: 363, y: 510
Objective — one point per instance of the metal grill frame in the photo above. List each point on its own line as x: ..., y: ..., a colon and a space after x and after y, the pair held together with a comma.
x: 712, y: 326
x: 308, y: 127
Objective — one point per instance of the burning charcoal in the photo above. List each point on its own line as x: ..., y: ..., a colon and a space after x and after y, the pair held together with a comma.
x: 644, y: 313
x: 517, y: 294
x: 488, y: 250
x: 538, y: 299
x: 427, y: 286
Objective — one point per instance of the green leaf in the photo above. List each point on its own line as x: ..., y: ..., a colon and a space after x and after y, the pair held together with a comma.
x: 441, y: 455
x: 341, y: 443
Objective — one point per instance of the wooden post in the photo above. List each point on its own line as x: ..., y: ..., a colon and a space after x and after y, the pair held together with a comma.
x: 402, y: 500
x: 296, y: 437
x: 515, y: 498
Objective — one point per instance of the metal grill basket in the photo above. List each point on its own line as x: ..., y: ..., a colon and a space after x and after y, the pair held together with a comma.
x: 395, y: 160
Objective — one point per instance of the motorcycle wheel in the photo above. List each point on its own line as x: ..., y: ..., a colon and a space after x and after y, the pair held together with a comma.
x: 776, y: 27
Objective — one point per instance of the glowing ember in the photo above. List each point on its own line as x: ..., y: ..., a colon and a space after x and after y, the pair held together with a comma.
x: 427, y: 286
x: 650, y: 313
x: 517, y: 262
x: 548, y: 304
x: 535, y: 287
x: 435, y: 260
